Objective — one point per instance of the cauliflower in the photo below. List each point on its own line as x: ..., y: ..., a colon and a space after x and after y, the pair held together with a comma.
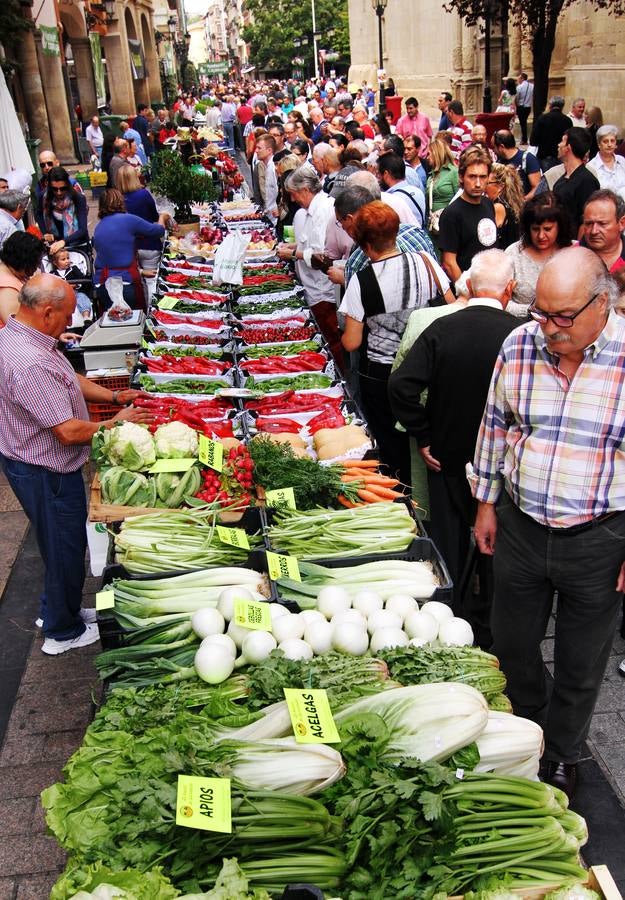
x: 175, y: 441
x: 127, y: 445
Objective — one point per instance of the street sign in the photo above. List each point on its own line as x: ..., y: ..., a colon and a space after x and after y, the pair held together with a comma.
x: 212, y: 68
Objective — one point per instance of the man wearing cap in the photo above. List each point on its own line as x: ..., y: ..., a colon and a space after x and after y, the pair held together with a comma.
x: 548, y: 131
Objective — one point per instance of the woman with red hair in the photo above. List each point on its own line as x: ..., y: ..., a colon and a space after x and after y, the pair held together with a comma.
x: 377, y: 304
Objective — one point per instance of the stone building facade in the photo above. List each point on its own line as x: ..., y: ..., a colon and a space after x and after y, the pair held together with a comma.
x: 427, y: 50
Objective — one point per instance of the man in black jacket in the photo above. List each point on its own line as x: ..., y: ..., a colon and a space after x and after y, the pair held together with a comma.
x: 547, y: 133
x: 454, y: 359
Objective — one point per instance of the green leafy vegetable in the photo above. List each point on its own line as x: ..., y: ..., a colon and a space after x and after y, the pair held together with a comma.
x: 91, y: 881
x: 120, y: 486
x: 126, y: 444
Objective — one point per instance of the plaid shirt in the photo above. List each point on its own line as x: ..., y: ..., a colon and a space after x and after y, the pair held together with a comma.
x: 38, y: 390
x: 556, y: 446
x: 410, y: 239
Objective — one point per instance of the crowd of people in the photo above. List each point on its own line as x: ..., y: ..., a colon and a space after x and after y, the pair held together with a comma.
x: 469, y: 289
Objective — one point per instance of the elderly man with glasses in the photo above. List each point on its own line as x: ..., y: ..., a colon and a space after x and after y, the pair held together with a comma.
x: 549, y: 477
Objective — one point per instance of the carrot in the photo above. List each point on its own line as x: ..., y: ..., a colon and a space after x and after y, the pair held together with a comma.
x: 349, y: 478
x: 382, y: 480
x: 369, y: 497
x: 360, y: 463
x: 382, y: 493
x: 347, y: 503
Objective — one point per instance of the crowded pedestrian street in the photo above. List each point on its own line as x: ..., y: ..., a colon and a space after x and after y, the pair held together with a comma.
x: 312, y: 522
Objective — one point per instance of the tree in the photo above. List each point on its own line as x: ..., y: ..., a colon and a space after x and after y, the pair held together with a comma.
x: 539, y: 19
x: 12, y: 27
x: 276, y: 25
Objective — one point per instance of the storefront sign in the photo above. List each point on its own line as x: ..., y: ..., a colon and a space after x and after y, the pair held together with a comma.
x: 212, y: 68
x: 50, y: 40
x: 98, y: 69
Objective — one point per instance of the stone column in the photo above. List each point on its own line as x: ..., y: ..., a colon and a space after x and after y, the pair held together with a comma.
x: 83, y: 64
x: 56, y: 103
x: 32, y: 88
x: 119, y: 79
x: 514, y: 47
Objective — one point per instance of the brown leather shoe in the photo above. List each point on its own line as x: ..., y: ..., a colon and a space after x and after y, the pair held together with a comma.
x: 563, y: 776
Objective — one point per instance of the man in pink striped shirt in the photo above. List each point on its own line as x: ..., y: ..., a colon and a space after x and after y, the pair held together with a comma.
x: 45, y: 435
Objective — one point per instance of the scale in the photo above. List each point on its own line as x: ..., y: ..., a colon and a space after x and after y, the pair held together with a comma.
x: 106, y: 342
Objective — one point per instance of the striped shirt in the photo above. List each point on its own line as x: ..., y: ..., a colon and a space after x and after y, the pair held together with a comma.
x: 461, y: 137
x: 410, y: 239
x: 556, y: 446
x: 38, y: 390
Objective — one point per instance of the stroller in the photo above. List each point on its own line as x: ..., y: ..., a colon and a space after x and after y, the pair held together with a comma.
x: 80, y: 276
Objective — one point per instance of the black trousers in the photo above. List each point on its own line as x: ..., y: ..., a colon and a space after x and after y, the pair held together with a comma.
x: 531, y: 564
x: 523, y: 113
x: 394, y: 445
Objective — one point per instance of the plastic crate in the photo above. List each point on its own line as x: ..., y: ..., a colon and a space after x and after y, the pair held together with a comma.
x: 113, y: 382
x: 102, y: 412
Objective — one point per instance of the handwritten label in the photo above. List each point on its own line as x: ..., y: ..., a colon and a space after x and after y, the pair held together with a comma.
x: 236, y: 537
x: 167, y: 302
x: 211, y: 453
x: 281, y: 497
x: 172, y: 465
x: 311, y: 716
x: 281, y: 566
x: 204, y: 803
x: 253, y: 615
x: 104, y: 600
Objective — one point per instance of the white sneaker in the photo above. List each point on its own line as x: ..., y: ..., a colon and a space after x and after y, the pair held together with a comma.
x: 621, y: 668
x: 89, y: 616
x: 90, y: 635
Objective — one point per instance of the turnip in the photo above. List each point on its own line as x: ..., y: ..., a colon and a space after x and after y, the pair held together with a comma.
x: 386, y: 638
x: 291, y: 626
x: 293, y: 648
x: 207, y: 621
x: 350, y: 638
x: 332, y: 600
x: 256, y: 647
x: 402, y: 604
x: 383, y: 618
x: 421, y: 625
x: 367, y: 602
x: 220, y: 640
x: 225, y: 602
x: 213, y: 663
x: 455, y: 632
x: 319, y: 636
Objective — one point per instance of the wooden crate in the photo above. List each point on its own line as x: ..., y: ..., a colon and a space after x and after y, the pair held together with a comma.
x: 110, y: 512
x: 599, y: 879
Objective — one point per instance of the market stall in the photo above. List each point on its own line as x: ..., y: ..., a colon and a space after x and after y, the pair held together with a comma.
x: 288, y: 697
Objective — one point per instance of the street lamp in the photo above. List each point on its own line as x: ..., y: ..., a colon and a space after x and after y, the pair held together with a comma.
x: 378, y: 7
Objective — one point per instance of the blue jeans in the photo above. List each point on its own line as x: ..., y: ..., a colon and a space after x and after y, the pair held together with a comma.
x: 229, y: 134
x: 56, y: 507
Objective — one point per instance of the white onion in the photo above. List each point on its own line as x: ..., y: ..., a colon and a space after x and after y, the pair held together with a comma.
x: 455, y: 632
x: 421, y: 625
x: 213, y: 664
x: 220, y: 640
x: 367, y: 602
x: 293, y: 648
x: 312, y: 615
x: 225, y: 602
x: 291, y: 626
x: 277, y: 611
x: 256, y: 647
x: 319, y: 636
x: 333, y: 599
x: 351, y: 616
x: 386, y: 638
x: 383, y: 618
x: 402, y: 604
x: 350, y: 638
x: 207, y: 621
x: 439, y: 611
x: 237, y: 633
x: 417, y: 642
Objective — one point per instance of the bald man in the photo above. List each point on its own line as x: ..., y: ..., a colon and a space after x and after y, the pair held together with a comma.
x: 549, y: 477
x: 45, y: 440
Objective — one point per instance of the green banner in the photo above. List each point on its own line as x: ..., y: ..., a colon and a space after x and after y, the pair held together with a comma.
x: 136, y: 59
x: 50, y: 40
x: 98, y: 68
x: 212, y: 68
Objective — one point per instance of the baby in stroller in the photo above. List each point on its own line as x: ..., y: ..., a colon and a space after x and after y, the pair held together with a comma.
x: 61, y: 264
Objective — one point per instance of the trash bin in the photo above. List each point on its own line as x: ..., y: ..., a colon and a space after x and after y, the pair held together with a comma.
x: 111, y: 123
x: 492, y: 122
x: 393, y: 104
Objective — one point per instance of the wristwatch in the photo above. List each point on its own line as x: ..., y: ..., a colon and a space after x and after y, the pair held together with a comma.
x: 114, y: 398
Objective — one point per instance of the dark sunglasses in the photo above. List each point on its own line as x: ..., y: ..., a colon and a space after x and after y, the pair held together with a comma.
x: 47, y: 165
x: 562, y: 321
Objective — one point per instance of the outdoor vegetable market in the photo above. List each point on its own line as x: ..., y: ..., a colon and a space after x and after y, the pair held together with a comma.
x: 290, y: 708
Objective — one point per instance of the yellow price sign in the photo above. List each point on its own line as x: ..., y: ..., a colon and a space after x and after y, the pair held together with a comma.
x: 167, y: 302
x: 282, y: 566
x: 252, y: 614
x: 236, y: 537
x: 104, y: 600
x: 211, y: 453
x: 281, y: 497
x: 172, y: 465
x: 204, y: 803
x: 311, y: 716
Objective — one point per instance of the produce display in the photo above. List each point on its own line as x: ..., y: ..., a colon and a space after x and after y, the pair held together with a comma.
x: 277, y: 629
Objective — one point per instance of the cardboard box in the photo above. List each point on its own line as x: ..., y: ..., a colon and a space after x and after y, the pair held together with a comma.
x: 599, y: 879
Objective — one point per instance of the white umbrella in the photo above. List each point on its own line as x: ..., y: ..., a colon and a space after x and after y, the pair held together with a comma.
x: 13, y: 151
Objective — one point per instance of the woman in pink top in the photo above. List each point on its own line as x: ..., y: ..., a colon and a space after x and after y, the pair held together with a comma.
x: 20, y: 257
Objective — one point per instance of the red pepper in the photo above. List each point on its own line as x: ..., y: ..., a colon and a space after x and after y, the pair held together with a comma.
x: 277, y: 426
x: 328, y: 419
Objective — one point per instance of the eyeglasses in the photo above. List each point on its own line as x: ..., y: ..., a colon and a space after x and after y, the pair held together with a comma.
x: 47, y: 165
x: 562, y: 321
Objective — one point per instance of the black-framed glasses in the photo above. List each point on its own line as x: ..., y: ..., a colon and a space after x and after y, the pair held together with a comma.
x: 60, y: 190
x: 562, y: 321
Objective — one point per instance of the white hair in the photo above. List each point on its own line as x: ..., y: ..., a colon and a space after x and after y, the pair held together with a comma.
x: 366, y: 180
x: 490, y: 272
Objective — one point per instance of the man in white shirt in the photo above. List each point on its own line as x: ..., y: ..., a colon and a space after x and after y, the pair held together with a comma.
x: 310, y: 225
x: 268, y: 179
x: 577, y: 113
x: 94, y: 136
x: 392, y: 169
x: 524, y: 99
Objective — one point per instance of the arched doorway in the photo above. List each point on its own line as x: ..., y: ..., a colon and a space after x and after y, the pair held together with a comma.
x: 151, y: 60
x: 79, y: 63
x: 137, y: 61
